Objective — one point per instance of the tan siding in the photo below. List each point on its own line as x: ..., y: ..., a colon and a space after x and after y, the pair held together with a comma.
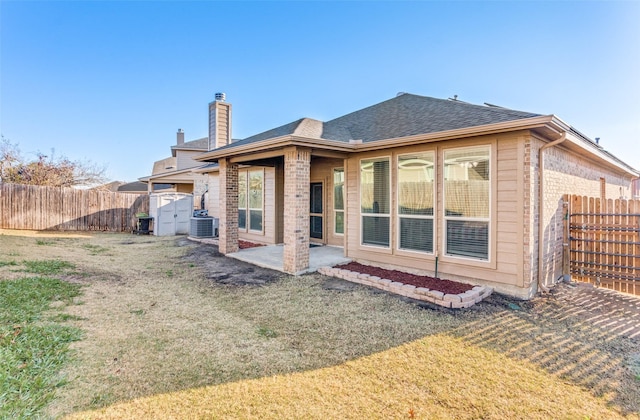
x: 508, y: 236
x: 507, y: 185
x: 505, y: 269
x: 185, y: 159
x: 214, y: 195
x: 508, y: 216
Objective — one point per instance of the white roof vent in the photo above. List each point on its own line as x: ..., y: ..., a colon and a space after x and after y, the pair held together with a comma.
x: 220, y: 96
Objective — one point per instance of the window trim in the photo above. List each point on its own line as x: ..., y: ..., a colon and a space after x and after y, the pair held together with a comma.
x: 361, y: 214
x: 398, y: 216
x: 490, y: 220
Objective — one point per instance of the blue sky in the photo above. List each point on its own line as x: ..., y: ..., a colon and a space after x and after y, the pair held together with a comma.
x: 112, y: 81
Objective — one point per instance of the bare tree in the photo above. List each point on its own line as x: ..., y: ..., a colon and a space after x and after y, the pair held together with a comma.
x: 47, y: 170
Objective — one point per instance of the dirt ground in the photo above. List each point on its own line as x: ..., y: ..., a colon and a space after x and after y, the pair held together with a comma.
x: 219, y: 269
x: 166, y: 314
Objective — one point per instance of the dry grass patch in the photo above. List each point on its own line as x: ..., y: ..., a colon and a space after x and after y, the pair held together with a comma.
x: 172, y: 325
x: 435, y: 377
x: 158, y: 321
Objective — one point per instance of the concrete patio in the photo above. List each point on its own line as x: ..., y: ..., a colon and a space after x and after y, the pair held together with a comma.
x: 271, y: 256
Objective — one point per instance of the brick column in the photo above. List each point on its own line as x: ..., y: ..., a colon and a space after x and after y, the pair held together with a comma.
x: 228, y: 229
x: 297, y: 163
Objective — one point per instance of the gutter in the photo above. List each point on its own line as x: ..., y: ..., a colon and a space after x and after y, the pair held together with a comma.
x: 541, y: 207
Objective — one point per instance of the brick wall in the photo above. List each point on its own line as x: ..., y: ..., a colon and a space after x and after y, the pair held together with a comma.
x: 297, y: 163
x: 565, y: 173
x: 228, y: 228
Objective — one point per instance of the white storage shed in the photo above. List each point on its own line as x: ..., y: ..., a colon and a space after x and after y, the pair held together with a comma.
x: 171, y: 213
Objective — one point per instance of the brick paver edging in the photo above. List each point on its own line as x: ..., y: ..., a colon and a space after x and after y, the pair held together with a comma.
x: 461, y: 300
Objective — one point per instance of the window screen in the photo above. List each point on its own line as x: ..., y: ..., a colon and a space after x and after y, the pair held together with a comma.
x: 374, y: 201
x: 415, y: 201
x: 250, y: 200
x: 467, y: 190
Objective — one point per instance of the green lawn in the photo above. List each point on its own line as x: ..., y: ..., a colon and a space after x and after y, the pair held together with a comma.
x: 34, y: 342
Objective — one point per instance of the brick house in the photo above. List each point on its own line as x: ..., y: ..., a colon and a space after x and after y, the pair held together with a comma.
x: 412, y: 182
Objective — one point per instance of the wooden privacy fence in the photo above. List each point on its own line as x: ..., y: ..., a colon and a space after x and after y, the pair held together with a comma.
x: 604, y: 242
x: 54, y: 208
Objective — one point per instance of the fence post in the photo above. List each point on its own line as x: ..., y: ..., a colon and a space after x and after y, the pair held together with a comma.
x: 566, y: 249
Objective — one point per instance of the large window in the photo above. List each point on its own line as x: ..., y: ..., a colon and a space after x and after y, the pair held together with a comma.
x: 338, y: 200
x: 415, y: 201
x: 374, y: 201
x: 467, y: 193
x: 250, y: 200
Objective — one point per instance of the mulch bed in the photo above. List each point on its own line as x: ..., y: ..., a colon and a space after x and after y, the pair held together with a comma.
x: 247, y: 244
x: 431, y: 283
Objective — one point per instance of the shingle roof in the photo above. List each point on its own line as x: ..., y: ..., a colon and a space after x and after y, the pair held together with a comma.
x: 199, y: 144
x: 133, y: 186
x: 305, y: 127
x: 404, y: 115
x: 408, y: 114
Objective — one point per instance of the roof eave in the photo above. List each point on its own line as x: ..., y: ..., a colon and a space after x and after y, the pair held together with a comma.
x: 276, y: 143
x: 521, y: 124
x: 549, y: 125
x: 580, y: 140
x: 170, y: 174
x: 595, y: 151
x: 206, y: 170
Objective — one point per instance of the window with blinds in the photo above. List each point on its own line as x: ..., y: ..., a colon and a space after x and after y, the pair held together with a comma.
x: 467, y: 193
x: 338, y: 200
x: 375, y: 201
x: 416, y: 177
x: 250, y: 200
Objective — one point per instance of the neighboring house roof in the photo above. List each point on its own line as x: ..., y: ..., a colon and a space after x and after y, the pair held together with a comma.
x: 199, y: 144
x: 138, y: 187
x: 179, y: 176
x: 169, y: 165
x: 111, y: 186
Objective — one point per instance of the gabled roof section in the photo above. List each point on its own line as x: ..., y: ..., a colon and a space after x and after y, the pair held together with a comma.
x: 407, y: 115
x: 304, y: 127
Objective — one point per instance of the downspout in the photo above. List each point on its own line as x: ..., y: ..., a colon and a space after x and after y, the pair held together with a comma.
x: 541, y: 208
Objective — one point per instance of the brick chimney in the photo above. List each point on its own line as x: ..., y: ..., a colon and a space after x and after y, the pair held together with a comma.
x: 180, y: 137
x: 219, y: 122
